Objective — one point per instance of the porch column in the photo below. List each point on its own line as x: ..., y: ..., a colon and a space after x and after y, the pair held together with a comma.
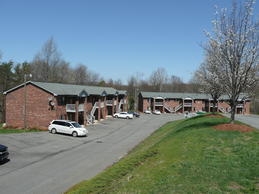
x: 243, y: 108
x: 113, y: 101
x: 192, y: 105
x: 105, y: 108
x: 163, y: 105
x: 154, y: 101
x: 59, y: 112
x: 99, y: 110
x: 76, y: 113
x: 183, y: 106
x: 117, y: 103
x: 85, y: 111
x: 125, y: 103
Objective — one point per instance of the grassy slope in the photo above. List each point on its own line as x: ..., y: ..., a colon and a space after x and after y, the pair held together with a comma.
x: 185, y: 157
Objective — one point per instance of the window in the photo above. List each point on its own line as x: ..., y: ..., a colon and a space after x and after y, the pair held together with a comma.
x: 67, y: 124
x: 62, y: 123
x: 61, y: 100
x: 76, y: 125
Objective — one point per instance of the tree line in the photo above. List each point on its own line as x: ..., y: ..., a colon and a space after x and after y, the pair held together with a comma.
x: 49, y: 66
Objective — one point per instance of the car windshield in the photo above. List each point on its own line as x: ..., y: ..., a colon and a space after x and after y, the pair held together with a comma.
x: 76, y: 125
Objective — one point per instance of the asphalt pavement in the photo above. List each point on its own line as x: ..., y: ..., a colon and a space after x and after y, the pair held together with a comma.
x: 252, y: 120
x: 51, y: 163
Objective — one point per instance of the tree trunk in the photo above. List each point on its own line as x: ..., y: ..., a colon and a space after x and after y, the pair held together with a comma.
x: 233, y: 112
x: 214, y: 107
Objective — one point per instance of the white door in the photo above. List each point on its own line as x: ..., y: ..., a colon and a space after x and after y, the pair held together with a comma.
x: 68, y: 129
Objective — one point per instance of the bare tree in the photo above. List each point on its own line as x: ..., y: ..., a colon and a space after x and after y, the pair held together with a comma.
x: 118, y: 84
x: 175, y: 84
x: 80, y: 74
x: 93, y: 78
x: 158, y: 78
x: 234, y: 44
x: 63, y: 73
x: 45, y: 63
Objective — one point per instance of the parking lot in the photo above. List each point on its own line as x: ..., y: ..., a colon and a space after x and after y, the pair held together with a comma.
x: 42, y: 162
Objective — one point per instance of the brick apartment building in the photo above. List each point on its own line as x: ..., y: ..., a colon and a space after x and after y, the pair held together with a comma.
x: 188, y: 102
x: 35, y: 104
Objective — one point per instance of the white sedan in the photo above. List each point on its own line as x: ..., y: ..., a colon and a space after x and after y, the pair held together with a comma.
x: 157, y: 112
x: 123, y: 115
x: 147, y: 112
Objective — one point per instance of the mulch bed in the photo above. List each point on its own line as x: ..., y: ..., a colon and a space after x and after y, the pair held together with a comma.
x: 230, y: 126
x: 233, y: 127
x: 215, y: 116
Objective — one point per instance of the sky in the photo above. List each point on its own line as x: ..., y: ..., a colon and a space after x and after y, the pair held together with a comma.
x: 114, y: 38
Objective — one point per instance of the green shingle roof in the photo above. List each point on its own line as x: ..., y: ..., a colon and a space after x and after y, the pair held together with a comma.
x: 70, y: 89
x: 172, y: 95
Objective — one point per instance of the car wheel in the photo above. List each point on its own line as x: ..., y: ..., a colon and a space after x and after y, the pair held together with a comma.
x: 127, y: 117
x: 74, y: 134
x: 116, y: 116
x: 53, y: 131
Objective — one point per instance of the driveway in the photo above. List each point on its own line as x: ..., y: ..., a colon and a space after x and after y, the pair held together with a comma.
x: 46, y: 163
x: 252, y: 120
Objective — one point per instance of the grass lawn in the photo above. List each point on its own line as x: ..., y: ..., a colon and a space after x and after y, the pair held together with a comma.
x: 188, y: 156
x: 10, y: 130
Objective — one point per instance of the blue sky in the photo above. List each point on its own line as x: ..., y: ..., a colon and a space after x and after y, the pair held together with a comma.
x: 114, y: 38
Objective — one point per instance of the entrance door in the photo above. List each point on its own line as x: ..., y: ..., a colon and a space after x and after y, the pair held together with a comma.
x: 81, y: 118
x: 71, y: 116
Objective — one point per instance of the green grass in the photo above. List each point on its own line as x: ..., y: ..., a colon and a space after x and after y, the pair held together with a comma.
x: 186, y: 156
x: 11, y: 130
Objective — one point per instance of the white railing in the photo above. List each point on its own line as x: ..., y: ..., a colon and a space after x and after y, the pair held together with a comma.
x: 91, y: 116
x: 94, y: 108
x: 211, y: 105
x: 178, y: 107
x: 70, y: 108
x: 159, y: 103
x: 187, y: 104
x: 223, y: 110
x: 120, y: 104
x: 169, y: 109
x: 173, y: 110
x: 101, y: 105
x: 240, y: 106
x: 90, y: 119
x: 109, y: 102
x: 81, y: 108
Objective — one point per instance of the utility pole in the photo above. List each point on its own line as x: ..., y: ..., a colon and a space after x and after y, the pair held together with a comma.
x: 25, y: 100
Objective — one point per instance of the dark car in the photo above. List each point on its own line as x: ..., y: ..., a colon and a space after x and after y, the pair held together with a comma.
x: 135, y: 114
x: 4, y: 154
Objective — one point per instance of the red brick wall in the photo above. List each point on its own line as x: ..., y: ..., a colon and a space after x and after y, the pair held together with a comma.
x: 172, y: 103
x: 146, y: 104
x: 38, y: 111
x: 247, y: 107
x: 198, y: 105
x: 224, y: 105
